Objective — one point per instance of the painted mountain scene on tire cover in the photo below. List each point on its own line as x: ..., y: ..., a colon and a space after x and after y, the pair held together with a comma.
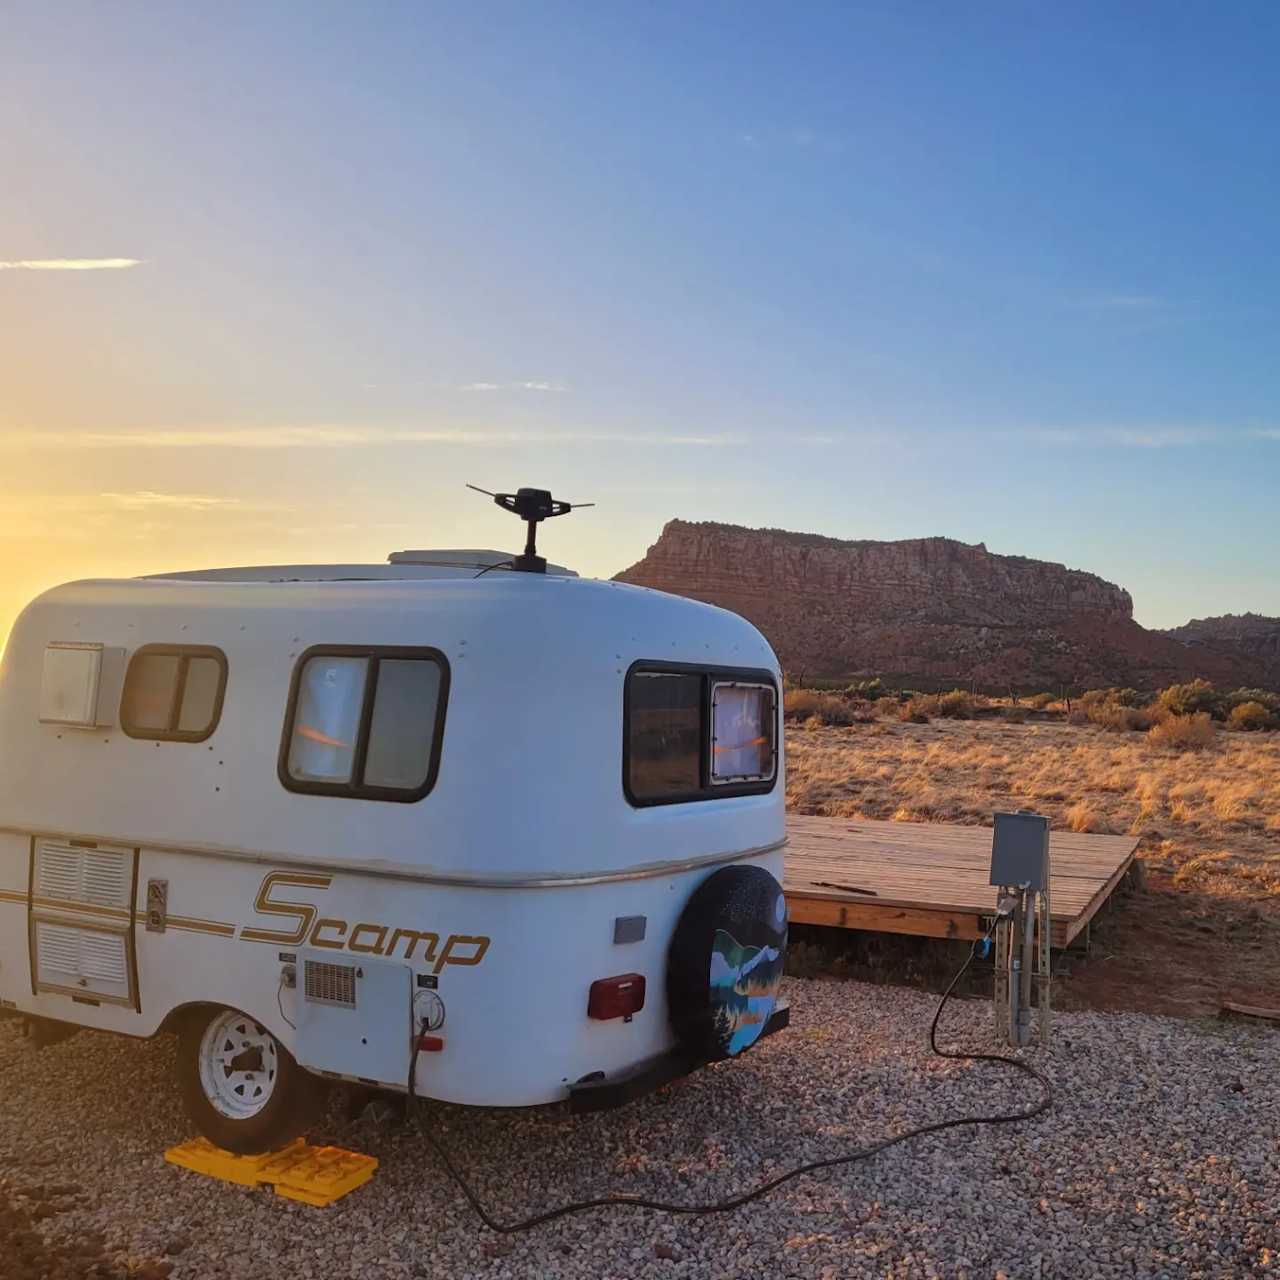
x: 744, y: 987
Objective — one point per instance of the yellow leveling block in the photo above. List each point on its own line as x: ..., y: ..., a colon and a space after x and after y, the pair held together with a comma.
x: 314, y: 1175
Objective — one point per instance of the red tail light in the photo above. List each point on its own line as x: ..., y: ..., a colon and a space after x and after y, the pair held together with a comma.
x: 620, y: 997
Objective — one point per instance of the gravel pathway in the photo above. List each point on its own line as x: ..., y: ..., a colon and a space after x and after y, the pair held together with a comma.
x: 1161, y: 1158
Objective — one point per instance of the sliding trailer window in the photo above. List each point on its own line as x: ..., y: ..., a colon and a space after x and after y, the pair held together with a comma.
x: 697, y: 733
x: 173, y: 692
x: 365, y: 723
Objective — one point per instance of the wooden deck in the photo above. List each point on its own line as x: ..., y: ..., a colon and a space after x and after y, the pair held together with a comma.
x: 931, y: 879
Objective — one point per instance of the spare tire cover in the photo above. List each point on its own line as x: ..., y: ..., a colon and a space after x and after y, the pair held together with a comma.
x: 725, y: 962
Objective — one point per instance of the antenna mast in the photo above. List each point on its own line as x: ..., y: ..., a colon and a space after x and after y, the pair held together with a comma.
x: 532, y: 506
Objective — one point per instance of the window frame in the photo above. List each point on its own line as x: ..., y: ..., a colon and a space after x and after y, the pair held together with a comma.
x: 711, y: 675
x: 183, y: 652
x: 356, y: 789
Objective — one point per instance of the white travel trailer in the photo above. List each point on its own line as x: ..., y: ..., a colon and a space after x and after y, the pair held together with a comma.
x: 515, y: 831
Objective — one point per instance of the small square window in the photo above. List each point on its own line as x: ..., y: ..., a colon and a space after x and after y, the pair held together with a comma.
x: 365, y: 723
x: 742, y: 733
x: 173, y: 693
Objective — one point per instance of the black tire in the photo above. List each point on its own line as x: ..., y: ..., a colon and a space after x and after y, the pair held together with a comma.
x: 289, y: 1103
x: 725, y: 962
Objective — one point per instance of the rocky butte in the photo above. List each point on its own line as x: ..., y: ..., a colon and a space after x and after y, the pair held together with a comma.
x: 928, y: 611
x: 1249, y: 636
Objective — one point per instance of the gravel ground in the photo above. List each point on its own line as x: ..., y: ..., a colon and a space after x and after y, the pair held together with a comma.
x: 1160, y: 1158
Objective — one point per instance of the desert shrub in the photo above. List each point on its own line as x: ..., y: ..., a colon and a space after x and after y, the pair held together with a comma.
x: 920, y: 709
x: 1237, y: 697
x: 867, y: 690
x: 1116, y: 717
x: 1193, y: 698
x: 813, y: 706
x: 1249, y: 717
x: 1183, y: 733
x: 959, y: 704
x: 800, y: 704
x: 1111, y: 698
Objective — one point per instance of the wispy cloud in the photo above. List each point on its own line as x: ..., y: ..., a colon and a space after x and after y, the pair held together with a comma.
x: 1266, y: 433
x: 1125, y: 437
x: 336, y: 437
x: 71, y: 264
x: 513, y: 386
x: 150, y: 500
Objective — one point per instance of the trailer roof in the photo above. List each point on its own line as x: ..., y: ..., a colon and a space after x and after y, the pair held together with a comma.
x: 400, y: 565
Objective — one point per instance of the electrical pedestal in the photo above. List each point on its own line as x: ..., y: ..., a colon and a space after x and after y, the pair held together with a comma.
x: 1020, y: 872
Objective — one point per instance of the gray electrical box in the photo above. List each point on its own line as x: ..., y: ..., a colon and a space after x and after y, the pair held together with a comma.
x: 1020, y: 851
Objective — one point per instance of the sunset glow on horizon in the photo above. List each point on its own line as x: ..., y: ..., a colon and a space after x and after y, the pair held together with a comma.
x: 275, y: 284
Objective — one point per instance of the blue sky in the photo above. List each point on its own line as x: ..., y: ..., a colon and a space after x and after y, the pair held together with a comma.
x: 1003, y: 272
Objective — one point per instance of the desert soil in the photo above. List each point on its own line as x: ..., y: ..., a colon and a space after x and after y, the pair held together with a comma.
x: 1199, y: 925
x: 1159, y: 1158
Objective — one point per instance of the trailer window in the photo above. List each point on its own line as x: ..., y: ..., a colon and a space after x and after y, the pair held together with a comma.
x: 664, y: 737
x: 365, y: 723
x: 173, y: 693
x: 742, y: 733
x: 697, y: 733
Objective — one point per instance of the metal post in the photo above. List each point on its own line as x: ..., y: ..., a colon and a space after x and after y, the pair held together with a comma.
x: 1046, y: 965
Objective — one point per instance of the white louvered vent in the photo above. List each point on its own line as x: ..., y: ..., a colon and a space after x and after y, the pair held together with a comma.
x: 99, y: 877
x: 89, y: 960
x: 326, y: 983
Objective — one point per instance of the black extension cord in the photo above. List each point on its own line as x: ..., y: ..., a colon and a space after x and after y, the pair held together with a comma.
x: 813, y: 1166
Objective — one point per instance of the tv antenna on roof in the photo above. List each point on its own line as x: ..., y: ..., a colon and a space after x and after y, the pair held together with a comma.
x: 532, y: 506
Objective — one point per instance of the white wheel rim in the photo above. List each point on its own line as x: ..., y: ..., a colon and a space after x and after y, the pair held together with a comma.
x: 239, y: 1064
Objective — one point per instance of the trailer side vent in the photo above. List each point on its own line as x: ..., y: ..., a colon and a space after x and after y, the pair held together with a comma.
x: 73, y: 959
x: 71, y: 874
x: 325, y: 983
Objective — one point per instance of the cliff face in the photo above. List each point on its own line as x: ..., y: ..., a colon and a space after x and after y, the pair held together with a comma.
x: 926, y: 609
x: 1249, y: 637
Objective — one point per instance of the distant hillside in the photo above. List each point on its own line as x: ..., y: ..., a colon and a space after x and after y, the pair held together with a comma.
x: 1246, y: 636
x: 929, y: 610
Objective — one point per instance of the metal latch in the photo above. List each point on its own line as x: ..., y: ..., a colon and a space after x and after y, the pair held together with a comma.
x: 157, y: 905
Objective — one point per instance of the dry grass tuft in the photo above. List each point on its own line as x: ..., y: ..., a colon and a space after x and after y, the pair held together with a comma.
x: 1183, y: 733
x: 1084, y: 816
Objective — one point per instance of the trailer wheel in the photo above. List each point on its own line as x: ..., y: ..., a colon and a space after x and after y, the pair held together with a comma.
x: 725, y: 963
x: 241, y: 1087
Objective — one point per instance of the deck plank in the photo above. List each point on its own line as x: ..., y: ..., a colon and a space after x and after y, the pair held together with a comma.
x: 930, y: 879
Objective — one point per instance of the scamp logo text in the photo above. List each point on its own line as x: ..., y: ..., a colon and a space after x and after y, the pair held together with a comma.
x: 310, y: 928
